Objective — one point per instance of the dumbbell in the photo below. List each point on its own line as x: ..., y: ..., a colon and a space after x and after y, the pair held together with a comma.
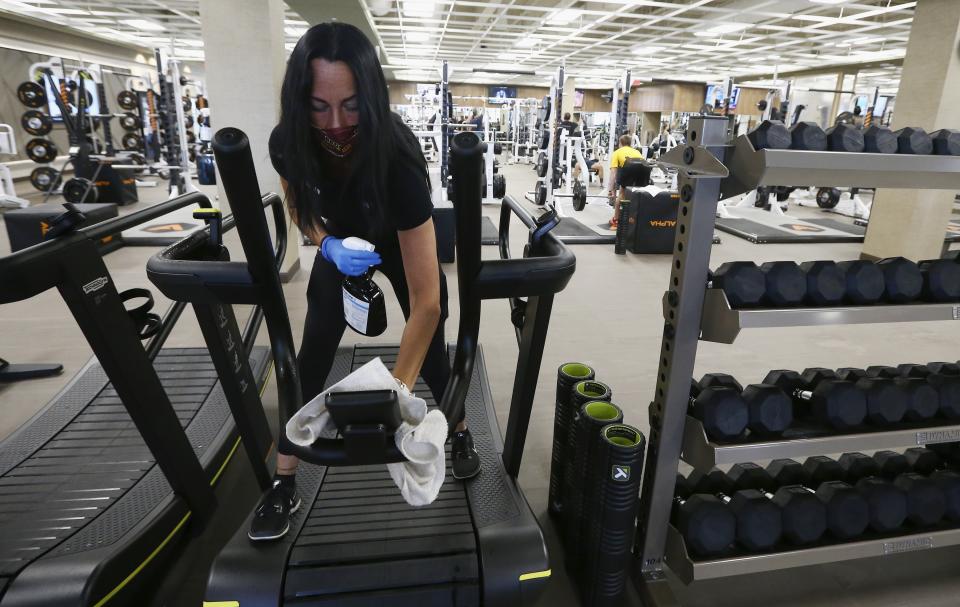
x: 941, y: 280
x: 946, y: 142
x: 864, y: 281
x: 707, y: 524
x: 886, y: 400
x: 844, y: 138
x: 808, y: 136
x: 823, y: 396
x: 720, y: 408
x: 845, y: 512
x: 742, y: 282
x: 826, y: 284
x: 758, y: 520
x: 902, y: 279
x: 856, y: 466
x: 920, y: 399
x: 785, y: 283
x: 770, y: 134
x: 929, y: 463
x: 769, y: 410
x: 879, y: 140
x: 926, y: 501
x: 943, y: 377
x: 803, y: 516
x: 913, y: 140
x: 887, y: 504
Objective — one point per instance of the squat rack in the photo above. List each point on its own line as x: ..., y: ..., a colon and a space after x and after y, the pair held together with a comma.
x: 712, y: 166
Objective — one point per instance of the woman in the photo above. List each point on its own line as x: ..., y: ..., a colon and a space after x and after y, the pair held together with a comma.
x: 350, y: 167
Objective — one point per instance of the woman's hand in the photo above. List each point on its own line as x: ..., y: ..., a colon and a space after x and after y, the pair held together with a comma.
x: 352, y: 262
x: 419, y: 249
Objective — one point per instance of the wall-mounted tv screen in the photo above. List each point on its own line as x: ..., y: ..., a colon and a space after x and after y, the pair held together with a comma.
x: 501, y: 93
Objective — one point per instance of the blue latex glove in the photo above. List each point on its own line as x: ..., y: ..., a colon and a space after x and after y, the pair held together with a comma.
x: 350, y: 261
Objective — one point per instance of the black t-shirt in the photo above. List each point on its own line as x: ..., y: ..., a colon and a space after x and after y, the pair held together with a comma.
x: 408, y: 203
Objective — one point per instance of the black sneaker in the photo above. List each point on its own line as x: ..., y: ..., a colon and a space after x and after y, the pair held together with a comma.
x: 466, y: 460
x: 271, y: 521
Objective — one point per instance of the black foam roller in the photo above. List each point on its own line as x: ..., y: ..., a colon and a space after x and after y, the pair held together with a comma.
x: 568, y: 374
x: 610, y: 512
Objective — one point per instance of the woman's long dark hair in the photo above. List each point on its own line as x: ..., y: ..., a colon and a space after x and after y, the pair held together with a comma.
x: 382, y: 137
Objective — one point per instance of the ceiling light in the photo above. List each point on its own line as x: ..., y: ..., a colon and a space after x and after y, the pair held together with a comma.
x: 143, y: 24
x: 510, y: 57
x: 416, y: 36
x: 109, y: 13
x: 429, y: 63
x: 528, y: 42
x: 295, y: 31
x: 647, y: 50
x: 606, y: 62
x: 828, y: 1
x: 418, y: 8
x: 191, y: 42
x: 723, y: 28
x: 67, y: 11
x: 563, y: 17
x: 188, y: 53
x: 420, y: 50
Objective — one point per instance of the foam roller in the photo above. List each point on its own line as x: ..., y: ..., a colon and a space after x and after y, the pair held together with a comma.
x: 567, y: 375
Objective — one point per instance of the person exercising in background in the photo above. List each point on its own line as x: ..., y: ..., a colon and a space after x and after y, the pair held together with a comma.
x: 568, y: 124
x: 350, y: 167
x: 617, y: 160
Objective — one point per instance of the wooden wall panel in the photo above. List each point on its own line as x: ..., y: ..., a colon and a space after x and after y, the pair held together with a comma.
x: 593, y: 102
x: 652, y: 98
x: 688, y: 97
x: 749, y: 97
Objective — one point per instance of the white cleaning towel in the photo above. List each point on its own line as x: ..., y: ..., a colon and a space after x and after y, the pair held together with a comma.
x: 420, y: 436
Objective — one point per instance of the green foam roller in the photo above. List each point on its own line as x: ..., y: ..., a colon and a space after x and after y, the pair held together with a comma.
x: 568, y: 375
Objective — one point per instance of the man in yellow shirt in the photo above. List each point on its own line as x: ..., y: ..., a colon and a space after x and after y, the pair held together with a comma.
x: 617, y: 160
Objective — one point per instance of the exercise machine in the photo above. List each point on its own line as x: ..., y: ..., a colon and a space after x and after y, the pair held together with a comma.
x: 354, y: 541
x: 100, y: 485
x: 8, y: 194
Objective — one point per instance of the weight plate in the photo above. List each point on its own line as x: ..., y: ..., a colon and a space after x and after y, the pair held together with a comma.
x: 542, y: 194
x: 80, y: 190
x: 131, y: 141
x: 31, y: 94
x: 188, y: 121
x: 191, y: 137
x: 542, y: 165
x: 187, y: 104
x: 827, y: 198
x: 36, y: 122
x: 42, y: 178
x: 41, y: 150
x: 71, y: 85
x: 579, y: 196
x: 192, y: 155
x: 499, y: 186
x: 129, y: 122
x: 127, y: 100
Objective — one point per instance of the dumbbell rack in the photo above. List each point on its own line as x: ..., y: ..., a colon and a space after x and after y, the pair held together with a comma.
x: 712, y: 167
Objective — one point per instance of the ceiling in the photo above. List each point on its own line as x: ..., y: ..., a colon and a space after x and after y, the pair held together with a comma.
x: 704, y: 40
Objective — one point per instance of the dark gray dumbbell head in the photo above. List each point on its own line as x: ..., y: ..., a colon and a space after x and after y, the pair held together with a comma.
x: 946, y: 142
x: 944, y: 368
x: 825, y: 282
x: 770, y: 134
x: 851, y: 374
x: 769, y: 409
x: 719, y: 380
x: 887, y: 503
x: 922, y: 460
x: 948, y: 391
x: 886, y: 401
x: 879, y: 140
x: 848, y: 513
x: 949, y: 483
x: 948, y: 452
x: 759, y: 522
x: 926, y: 503
x: 941, y: 280
x: 711, y: 481
x: 748, y: 475
x: 838, y: 403
x: 845, y: 138
x: 891, y: 464
x: 707, y: 524
x: 786, y: 284
x: 808, y: 136
x: 882, y: 371
x: 856, y: 466
x: 812, y: 376
x: 913, y: 370
x: 682, y: 488
x: 864, y: 281
x: 819, y: 469
x: 785, y: 472
x: 803, y: 515
x: 742, y: 282
x: 785, y: 379
x: 923, y: 402
x: 914, y: 140
x: 902, y: 279
x: 723, y: 412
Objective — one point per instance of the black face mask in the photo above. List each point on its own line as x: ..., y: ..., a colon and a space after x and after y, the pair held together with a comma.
x: 364, y: 307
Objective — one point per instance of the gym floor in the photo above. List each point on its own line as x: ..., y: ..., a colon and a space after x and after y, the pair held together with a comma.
x: 610, y: 317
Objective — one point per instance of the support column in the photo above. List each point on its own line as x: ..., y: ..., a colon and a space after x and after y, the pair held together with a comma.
x: 244, y: 74
x: 569, y: 88
x: 912, y: 223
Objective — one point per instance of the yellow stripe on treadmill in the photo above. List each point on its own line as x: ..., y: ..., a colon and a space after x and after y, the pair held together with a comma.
x: 535, y: 575
x: 221, y: 604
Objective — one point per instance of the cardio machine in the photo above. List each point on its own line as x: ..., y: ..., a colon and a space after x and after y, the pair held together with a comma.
x: 354, y: 541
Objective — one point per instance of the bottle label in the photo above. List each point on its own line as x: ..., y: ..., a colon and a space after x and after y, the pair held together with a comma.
x: 355, y: 312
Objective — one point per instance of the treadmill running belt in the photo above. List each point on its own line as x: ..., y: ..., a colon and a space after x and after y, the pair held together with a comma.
x: 363, y: 540
x: 76, y: 462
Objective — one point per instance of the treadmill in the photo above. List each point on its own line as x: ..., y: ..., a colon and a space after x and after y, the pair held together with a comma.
x: 354, y: 541
x: 96, y: 488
